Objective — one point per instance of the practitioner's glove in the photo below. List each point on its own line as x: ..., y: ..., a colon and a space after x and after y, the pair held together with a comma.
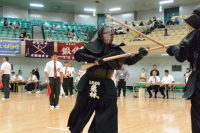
x: 100, y: 61
x: 171, y: 50
x: 142, y: 52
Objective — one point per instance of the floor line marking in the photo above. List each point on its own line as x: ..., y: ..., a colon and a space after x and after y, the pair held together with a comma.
x: 139, y: 109
x: 57, y: 128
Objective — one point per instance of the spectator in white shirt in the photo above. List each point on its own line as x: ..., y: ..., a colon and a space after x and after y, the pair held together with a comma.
x: 18, y: 78
x: 77, y: 40
x: 71, y: 72
x: 49, y: 39
x: 31, y: 83
x: 143, y: 76
x: 72, y: 40
x: 153, y: 80
x: 66, y: 75
x: 18, y: 81
x: 12, y: 79
x: 68, y: 32
x: 5, y: 77
x: 56, y: 27
x: 167, y: 79
x: 54, y: 76
x: 11, y: 26
x: 73, y: 33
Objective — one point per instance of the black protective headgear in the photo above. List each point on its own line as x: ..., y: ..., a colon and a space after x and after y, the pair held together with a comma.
x: 194, y: 20
x: 106, y: 34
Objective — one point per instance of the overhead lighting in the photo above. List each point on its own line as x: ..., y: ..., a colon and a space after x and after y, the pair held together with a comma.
x: 114, y: 9
x: 166, y: 2
x: 7, y: 55
x: 88, y: 9
x: 160, y: 8
x: 164, y: 54
x: 37, y: 5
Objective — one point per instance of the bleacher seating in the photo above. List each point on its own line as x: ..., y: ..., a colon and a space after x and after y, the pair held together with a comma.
x: 175, y: 31
x: 58, y: 34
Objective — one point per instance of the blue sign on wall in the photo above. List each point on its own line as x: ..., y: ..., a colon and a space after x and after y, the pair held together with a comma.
x: 9, y: 46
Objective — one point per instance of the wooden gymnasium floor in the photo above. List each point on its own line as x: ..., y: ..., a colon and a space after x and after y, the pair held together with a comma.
x: 30, y: 113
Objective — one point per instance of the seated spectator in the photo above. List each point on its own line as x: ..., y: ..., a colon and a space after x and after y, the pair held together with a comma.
x: 133, y: 24
x: 161, y: 25
x: 126, y: 23
x: 68, y: 32
x: 31, y: 82
x: 77, y: 40
x: 176, y: 22
x: 170, y: 22
x: 166, y: 33
x: 5, y: 23
x: 12, y: 79
x: 150, y: 22
x: 143, y: 76
x: 155, y: 22
x: 140, y: 38
x: 73, y: 33
x: 18, y: 77
x: 49, y: 39
x: 24, y: 32
x: 17, y: 26
x: 86, y: 32
x: 11, y: 27
x: 141, y: 24
x: 41, y: 87
x: 18, y: 81
x: 21, y: 36
x: 153, y: 80
x: 167, y: 79
x: 56, y: 27
x: 128, y: 31
x: 72, y: 40
x: 28, y: 37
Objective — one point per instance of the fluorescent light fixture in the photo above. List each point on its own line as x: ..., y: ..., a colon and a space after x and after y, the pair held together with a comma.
x: 114, y: 9
x: 7, y: 55
x: 166, y: 2
x: 37, y: 5
x: 88, y: 9
x: 164, y: 54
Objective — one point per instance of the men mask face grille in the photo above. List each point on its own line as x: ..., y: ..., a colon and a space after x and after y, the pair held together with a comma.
x: 108, y: 35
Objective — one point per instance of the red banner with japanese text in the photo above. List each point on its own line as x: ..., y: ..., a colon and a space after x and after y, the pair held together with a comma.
x: 66, y: 50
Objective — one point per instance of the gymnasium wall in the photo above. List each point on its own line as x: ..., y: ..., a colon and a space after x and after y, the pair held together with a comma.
x: 14, y: 12
x: 50, y: 16
x: 187, y: 9
x: 163, y: 63
x: 183, y: 10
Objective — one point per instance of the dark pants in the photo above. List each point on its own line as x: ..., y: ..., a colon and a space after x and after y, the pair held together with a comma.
x: 105, y: 119
x: 195, y: 109
x: 41, y: 87
x: 55, y: 91
x: 12, y: 87
x: 121, y: 85
x: 162, y: 89
x: 155, y: 87
x: 68, y: 85
x: 5, y: 81
x: 30, y: 86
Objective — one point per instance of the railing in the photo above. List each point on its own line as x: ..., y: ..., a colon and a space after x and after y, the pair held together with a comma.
x: 42, y: 40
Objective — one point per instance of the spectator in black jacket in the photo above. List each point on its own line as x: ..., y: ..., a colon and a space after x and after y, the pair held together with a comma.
x: 154, y: 68
x: 170, y: 22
